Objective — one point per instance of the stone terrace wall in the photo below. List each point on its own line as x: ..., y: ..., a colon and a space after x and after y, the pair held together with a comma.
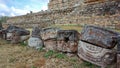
x: 106, y: 14
x: 103, y: 13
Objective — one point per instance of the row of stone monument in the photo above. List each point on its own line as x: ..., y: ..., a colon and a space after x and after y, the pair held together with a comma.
x: 97, y: 45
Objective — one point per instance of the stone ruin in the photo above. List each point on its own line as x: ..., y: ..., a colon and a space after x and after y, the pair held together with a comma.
x: 16, y: 34
x: 94, y: 44
x: 35, y: 40
x: 67, y: 41
x: 49, y: 35
x: 104, y: 13
x: 98, y: 46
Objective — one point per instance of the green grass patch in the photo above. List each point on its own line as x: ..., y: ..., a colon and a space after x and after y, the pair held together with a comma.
x: 54, y: 54
x: 88, y: 64
x: 23, y: 43
x: 68, y: 27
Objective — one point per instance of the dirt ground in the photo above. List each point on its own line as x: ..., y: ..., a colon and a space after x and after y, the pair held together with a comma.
x: 18, y: 56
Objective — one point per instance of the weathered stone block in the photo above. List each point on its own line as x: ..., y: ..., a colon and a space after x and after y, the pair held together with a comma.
x: 99, y: 36
x: 48, y: 33
x: 50, y: 44
x: 67, y: 40
x: 35, y: 42
x: 16, y: 34
x: 96, y: 55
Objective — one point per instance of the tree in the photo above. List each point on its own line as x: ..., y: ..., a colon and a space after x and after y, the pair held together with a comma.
x: 3, y: 19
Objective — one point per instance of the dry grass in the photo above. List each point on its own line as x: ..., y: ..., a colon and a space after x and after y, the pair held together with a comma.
x: 17, y: 56
x: 69, y: 27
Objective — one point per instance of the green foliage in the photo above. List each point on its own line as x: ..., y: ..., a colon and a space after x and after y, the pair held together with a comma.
x: 41, y: 49
x: 90, y: 65
x: 60, y: 55
x: 23, y: 43
x: 33, y: 67
x: 49, y: 54
x: 54, y: 54
x: 3, y: 19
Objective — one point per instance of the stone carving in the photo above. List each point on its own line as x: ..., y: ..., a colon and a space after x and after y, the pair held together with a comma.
x: 99, y: 36
x: 16, y: 34
x: 97, y: 46
x: 49, y: 33
x: 35, y: 40
x: 67, y: 40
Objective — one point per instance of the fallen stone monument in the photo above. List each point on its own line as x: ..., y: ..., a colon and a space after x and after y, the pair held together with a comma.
x: 16, y: 34
x: 49, y: 36
x: 97, y: 46
x: 35, y: 40
x: 67, y: 41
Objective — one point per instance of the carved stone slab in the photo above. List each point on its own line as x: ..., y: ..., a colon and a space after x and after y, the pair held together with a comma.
x: 67, y: 40
x: 96, y: 55
x: 16, y: 34
x: 48, y: 33
x: 99, y: 36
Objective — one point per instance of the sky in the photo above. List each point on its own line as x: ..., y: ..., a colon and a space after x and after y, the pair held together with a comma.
x: 21, y: 7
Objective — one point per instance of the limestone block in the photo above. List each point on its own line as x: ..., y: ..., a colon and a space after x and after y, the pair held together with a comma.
x: 35, y: 42
x: 50, y: 44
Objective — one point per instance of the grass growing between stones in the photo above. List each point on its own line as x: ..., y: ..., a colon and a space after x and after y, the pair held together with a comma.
x: 69, y: 27
x: 53, y: 54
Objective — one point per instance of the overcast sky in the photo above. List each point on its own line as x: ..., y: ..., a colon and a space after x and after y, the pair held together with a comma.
x: 21, y: 7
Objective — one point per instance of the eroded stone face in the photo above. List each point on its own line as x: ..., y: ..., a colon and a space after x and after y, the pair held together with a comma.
x: 14, y: 34
x: 98, y: 46
x: 67, y: 40
x: 96, y: 55
x: 48, y: 33
x: 36, y: 32
x: 99, y: 36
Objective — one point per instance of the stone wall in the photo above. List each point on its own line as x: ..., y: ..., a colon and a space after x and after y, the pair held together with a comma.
x: 105, y: 13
